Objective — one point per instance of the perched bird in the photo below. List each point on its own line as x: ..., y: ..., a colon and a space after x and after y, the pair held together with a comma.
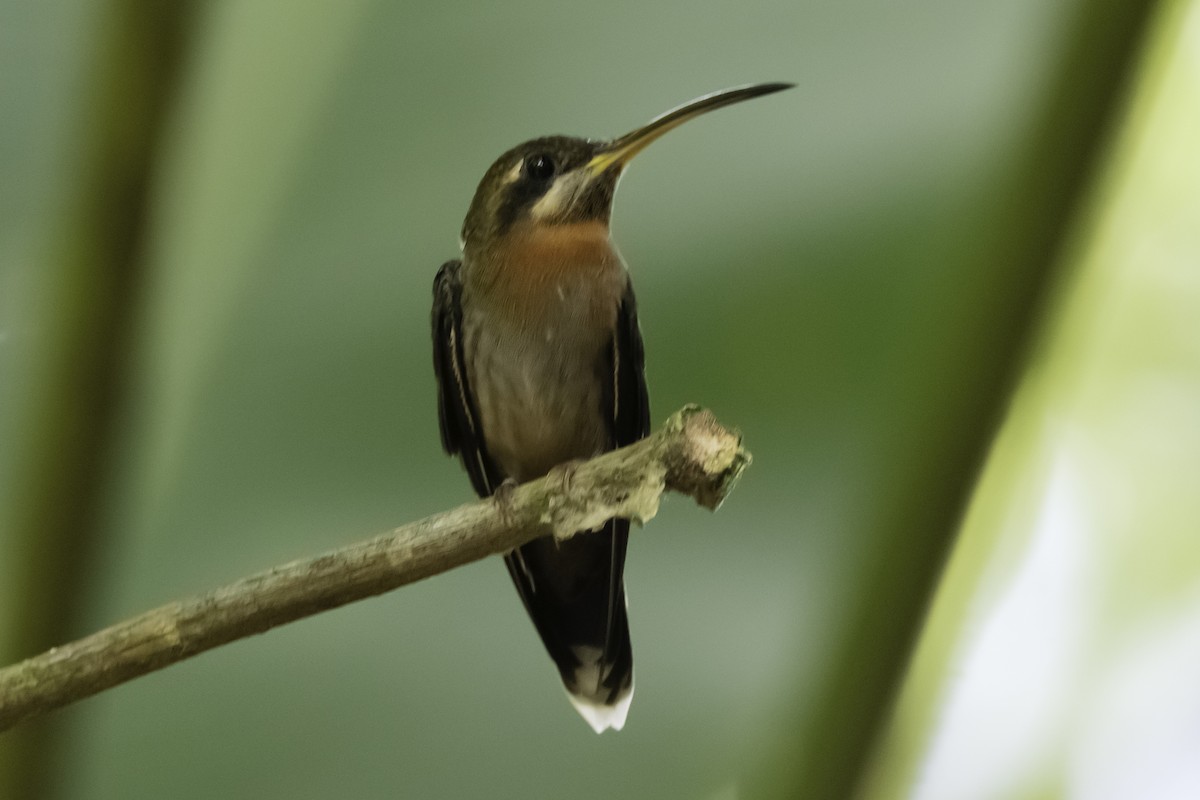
x: 539, y: 362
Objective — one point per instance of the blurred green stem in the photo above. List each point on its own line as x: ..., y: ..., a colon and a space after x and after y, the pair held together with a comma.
x: 96, y: 264
x: 1026, y: 227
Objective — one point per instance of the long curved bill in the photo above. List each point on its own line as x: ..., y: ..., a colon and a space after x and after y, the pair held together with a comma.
x: 619, y: 151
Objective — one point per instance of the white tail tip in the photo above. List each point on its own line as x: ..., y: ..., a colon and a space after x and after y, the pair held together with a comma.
x: 602, y: 716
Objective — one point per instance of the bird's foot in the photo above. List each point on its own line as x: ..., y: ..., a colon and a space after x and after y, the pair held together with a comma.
x: 575, y: 509
x: 565, y: 473
x: 503, y: 498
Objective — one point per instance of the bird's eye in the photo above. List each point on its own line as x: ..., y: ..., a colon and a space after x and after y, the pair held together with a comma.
x: 540, y: 167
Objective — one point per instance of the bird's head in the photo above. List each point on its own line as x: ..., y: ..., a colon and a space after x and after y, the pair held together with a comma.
x: 558, y: 180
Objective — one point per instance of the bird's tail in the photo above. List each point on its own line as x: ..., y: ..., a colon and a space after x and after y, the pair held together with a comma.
x: 574, y: 591
x: 600, y: 684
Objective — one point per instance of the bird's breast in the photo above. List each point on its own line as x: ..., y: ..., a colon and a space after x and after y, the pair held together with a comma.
x: 538, y: 329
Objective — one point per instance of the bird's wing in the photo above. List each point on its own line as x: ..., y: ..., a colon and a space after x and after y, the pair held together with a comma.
x: 626, y: 407
x: 457, y: 414
x: 628, y: 404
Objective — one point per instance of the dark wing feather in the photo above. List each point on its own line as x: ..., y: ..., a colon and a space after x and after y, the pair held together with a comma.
x: 629, y: 407
x: 457, y: 415
x: 628, y: 412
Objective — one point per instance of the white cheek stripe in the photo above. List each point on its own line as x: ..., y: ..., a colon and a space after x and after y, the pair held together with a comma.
x: 561, y: 195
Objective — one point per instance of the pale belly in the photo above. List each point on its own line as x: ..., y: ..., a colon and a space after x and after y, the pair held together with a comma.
x: 539, y: 398
x: 539, y: 382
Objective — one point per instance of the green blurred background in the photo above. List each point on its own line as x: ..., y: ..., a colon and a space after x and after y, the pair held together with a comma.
x: 846, y: 272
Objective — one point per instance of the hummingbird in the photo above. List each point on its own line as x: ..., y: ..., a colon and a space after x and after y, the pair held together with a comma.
x: 539, y: 363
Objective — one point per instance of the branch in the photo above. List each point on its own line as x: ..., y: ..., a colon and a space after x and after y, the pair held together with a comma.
x: 692, y: 454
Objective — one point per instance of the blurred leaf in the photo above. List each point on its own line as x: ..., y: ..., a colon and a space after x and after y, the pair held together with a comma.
x: 75, y: 349
x: 1064, y: 643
